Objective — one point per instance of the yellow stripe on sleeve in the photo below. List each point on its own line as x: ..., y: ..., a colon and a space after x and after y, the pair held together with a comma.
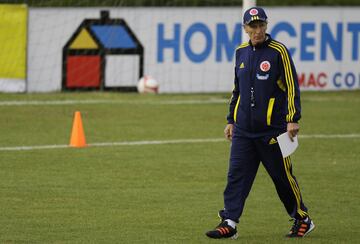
x: 236, y: 108
x: 289, y: 78
x: 291, y: 98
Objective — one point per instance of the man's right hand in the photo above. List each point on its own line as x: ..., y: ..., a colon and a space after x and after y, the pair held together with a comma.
x: 228, y: 131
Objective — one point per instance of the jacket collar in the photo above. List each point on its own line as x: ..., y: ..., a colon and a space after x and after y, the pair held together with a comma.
x: 263, y: 44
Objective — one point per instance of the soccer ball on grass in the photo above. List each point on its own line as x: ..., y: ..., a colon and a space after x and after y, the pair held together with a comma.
x: 148, y: 84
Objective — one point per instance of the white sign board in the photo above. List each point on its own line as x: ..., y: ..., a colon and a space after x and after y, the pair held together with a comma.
x: 191, y: 49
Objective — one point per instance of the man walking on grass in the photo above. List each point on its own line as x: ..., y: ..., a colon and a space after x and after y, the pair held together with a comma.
x: 265, y: 103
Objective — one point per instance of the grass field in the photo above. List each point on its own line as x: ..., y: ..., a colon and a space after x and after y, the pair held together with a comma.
x: 167, y: 192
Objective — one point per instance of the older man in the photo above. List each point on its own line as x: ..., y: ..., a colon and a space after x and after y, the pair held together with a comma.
x: 265, y: 103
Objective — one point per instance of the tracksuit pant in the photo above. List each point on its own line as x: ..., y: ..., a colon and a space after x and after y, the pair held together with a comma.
x: 245, y: 157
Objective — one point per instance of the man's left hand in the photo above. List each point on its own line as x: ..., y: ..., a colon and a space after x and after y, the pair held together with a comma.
x: 293, y: 130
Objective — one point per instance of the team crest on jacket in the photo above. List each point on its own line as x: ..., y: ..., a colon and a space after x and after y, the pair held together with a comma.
x: 265, y: 66
x: 253, y: 12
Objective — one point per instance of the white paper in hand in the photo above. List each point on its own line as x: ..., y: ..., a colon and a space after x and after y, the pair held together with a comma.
x: 287, y: 146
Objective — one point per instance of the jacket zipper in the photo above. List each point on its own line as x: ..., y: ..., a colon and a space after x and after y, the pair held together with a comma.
x: 252, y: 97
x: 252, y: 91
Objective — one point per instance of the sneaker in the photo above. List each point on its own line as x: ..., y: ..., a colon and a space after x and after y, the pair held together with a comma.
x: 301, y: 228
x: 223, y: 230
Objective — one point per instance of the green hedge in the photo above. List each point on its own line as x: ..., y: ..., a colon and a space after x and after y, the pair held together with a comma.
x: 44, y: 3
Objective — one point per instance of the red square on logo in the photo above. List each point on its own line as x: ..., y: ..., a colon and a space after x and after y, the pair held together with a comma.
x: 83, y: 71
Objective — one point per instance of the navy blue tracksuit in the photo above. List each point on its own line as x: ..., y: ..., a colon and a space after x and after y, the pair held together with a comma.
x: 265, y: 98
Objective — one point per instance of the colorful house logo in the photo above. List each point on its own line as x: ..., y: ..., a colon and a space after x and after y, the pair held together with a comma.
x: 102, y: 54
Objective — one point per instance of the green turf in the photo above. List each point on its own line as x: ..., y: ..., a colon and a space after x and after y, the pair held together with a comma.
x: 164, y: 193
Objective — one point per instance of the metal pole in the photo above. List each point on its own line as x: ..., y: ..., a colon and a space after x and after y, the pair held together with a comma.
x: 246, y: 5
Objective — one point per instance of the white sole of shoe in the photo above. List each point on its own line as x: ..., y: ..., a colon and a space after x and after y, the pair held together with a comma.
x: 312, y: 227
x: 234, y: 237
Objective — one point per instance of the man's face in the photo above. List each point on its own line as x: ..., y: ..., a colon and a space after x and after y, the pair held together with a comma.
x: 256, y: 31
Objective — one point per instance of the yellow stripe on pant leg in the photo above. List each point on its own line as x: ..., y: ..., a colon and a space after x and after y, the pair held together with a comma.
x: 287, y: 170
x: 295, y: 189
x: 294, y: 186
x: 301, y: 212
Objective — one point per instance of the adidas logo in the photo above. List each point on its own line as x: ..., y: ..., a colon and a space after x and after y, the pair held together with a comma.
x: 272, y: 141
x: 242, y: 65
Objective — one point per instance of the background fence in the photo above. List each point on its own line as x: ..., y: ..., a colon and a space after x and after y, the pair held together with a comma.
x: 182, y: 2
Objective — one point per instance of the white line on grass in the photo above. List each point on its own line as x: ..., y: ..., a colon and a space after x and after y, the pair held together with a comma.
x: 97, y: 101
x: 330, y: 136
x: 110, y: 144
x: 134, y: 102
x: 158, y: 142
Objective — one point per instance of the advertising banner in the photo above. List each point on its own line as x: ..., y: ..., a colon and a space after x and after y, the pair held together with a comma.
x: 13, y: 19
x: 184, y: 49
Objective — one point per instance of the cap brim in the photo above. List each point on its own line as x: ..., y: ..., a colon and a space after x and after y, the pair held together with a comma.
x: 262, y: 20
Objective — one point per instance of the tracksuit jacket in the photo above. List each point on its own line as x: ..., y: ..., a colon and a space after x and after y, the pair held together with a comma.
x: 266, y: 90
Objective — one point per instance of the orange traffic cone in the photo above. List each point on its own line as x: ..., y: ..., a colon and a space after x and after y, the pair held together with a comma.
x: 77, y: 135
